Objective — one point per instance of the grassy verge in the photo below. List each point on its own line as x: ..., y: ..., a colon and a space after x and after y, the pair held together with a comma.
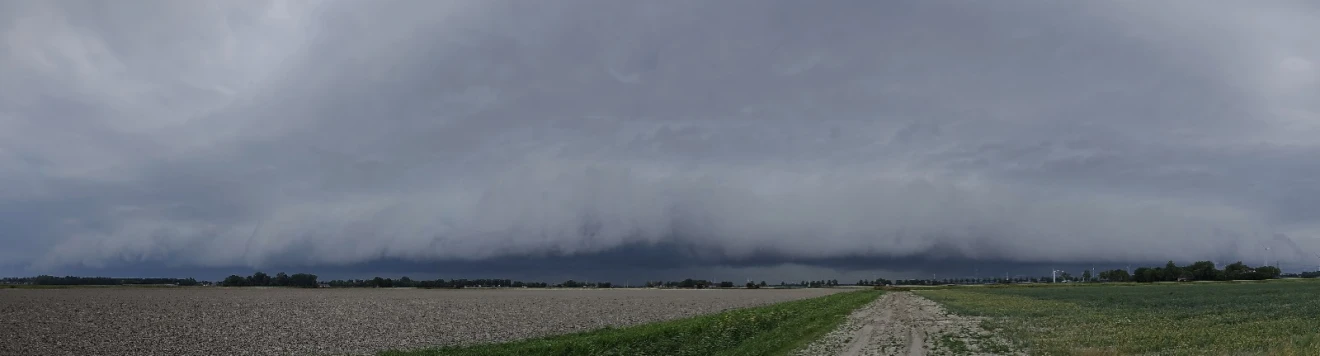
x: 768, y: 330
x: 1271, y: 318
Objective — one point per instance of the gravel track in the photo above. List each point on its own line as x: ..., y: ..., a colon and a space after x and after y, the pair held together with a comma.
x: 902, y: 323
x: 282, y: 321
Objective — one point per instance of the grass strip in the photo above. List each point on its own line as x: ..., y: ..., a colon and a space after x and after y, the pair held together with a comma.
x: 775, y: 329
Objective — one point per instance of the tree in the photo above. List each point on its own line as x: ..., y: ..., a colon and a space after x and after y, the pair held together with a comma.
x: 303, y: 280
x: 1267, y: 272
x: 1237, y: 270
x: 1172, y: 272
x: 258, y: 279
x: 1086, y: 275
x: 281, y: 279
x: 405, y: 282
x: 234, y: 281
x: 762, y: 284
x: 1115, y: 275
x: 1145, y: 275
x: 1203, y: 271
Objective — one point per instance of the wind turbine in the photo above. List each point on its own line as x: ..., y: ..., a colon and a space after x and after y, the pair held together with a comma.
x: 1267, y: 255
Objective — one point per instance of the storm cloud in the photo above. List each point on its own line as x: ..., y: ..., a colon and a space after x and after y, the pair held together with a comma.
x: 717, y: 133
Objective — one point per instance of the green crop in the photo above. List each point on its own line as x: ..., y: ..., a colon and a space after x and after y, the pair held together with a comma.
x: 1267, y: 318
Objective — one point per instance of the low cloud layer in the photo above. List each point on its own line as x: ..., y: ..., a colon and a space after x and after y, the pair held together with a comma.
x: 252, y: 134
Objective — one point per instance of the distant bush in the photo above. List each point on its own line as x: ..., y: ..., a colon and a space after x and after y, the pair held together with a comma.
x: 281, y: 279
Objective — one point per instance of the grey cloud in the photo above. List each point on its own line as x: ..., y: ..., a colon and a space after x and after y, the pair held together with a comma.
x: 217, y: 135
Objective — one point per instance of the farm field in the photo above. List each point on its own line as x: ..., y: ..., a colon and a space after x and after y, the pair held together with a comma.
x: 1280, y: 317
x: 283, y: 321
x: 777, y: 329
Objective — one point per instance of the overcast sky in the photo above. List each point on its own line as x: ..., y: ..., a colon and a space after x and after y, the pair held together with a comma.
x: 721, y: 134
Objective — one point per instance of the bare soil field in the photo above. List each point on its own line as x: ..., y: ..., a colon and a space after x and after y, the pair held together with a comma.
x: 281, y: 321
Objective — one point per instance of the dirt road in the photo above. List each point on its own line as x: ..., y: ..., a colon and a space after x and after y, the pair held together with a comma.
x: 902, y: 323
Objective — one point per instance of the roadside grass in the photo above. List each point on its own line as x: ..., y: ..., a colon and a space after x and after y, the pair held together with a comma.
x: 1272, y: 318
x: 776, y: 329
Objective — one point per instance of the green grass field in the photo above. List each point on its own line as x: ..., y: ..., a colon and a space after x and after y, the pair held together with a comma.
x: 1252, y: 318
x: 768, y: 330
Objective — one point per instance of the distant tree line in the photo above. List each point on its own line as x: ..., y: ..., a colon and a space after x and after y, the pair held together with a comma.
x: 821, y: 283
x: 686, y: 284
x: 261, y: 279
x: 1196, y: 271
x: 876, y: 282
x: 701, y: 284
x: 575, y: 284
x: 824, y: 283
x: 1312, y: 274
x: 405, y: 282
x: 96, y: 281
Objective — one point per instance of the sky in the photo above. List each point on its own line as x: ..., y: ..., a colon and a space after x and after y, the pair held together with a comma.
x: 612, y: 139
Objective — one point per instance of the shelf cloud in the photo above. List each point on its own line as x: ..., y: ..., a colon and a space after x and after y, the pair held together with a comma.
x: 257, y: 134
